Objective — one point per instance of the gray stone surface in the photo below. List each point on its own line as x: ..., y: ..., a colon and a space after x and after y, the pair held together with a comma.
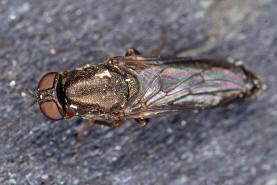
x: 216, y: 147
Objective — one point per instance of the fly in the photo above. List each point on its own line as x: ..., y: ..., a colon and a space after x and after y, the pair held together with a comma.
x: 134, y: 86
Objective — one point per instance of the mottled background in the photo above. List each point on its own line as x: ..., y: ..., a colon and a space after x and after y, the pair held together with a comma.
x: 216, y: 147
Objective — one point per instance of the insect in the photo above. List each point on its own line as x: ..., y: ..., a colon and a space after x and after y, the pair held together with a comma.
x: 134, y: 86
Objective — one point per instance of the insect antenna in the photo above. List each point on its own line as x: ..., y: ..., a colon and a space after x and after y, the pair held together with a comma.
x: 34, y: 96
x: 30, y: 104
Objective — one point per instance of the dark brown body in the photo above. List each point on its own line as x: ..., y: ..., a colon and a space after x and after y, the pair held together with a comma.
x: 120, y: 89
x: 140, y: 87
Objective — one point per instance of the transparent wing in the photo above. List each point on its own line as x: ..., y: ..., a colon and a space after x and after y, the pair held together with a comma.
x: 174, y: 84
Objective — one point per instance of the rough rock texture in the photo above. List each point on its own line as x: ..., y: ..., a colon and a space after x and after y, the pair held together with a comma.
x: 222, y: 146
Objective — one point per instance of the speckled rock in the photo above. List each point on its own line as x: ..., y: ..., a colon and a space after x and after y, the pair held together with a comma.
x: 215, y: 147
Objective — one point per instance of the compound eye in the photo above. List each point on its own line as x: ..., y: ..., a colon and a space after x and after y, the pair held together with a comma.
x: 47, y: 81
x: 51, y: 110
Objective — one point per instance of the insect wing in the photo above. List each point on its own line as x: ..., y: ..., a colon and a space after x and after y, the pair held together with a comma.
x: 174, y: 84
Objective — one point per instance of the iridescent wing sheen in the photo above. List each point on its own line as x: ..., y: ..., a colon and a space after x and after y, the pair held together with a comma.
x: 175, y: 84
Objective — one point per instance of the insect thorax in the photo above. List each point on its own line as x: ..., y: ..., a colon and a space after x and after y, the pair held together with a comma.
x: 97, y: 90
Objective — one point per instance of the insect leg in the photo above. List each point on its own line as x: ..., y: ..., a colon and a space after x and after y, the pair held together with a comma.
x: 141, y: 122
x: 132, y: 52
x: 116, y: 123
x: 82, y: 130
x: 206, y: 45
x: 160, y: 47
